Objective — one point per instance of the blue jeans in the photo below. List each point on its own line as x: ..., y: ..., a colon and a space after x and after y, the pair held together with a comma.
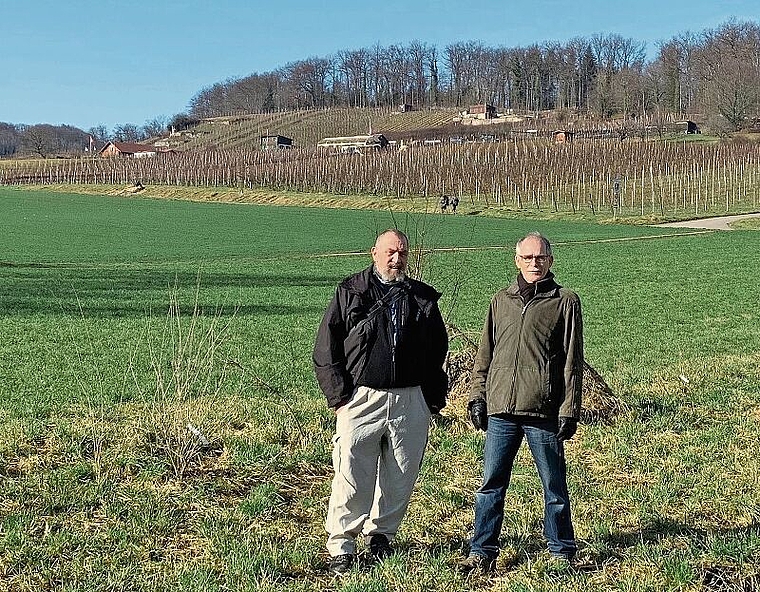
x: 503, y: 439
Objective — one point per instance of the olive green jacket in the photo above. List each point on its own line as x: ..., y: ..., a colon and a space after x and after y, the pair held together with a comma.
x: 530, y: 358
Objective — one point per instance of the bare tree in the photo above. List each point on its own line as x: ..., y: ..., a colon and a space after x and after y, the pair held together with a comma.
x: 10, y: 139
x: 397, y: 74
x: 419, y: 60
x: 729, y: 62
x: 99, y: 134
x: 39, y: 139
x: 354, y: 67
x: 181, y: 121
x: 240, y: 95
x: 210, y: 101
x: 155, y: 127
x: 127, y: 132
x: 308, y: 82
x: 620, y: 62
x: 456, y: 64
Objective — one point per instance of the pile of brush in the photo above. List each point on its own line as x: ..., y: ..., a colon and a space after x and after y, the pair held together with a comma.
x: 600, y: 405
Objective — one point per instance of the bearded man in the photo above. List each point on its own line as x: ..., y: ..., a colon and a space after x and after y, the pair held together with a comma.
x: 378, y: 358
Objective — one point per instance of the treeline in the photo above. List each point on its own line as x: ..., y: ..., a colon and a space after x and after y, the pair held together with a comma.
x: 714, y: 72
x: 45, y: 140
x: 41, y: 139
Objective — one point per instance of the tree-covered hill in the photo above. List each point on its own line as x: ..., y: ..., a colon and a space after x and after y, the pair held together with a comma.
x: 715, y: 72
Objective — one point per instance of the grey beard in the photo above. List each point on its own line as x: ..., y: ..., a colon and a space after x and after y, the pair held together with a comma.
x: 389, y: 280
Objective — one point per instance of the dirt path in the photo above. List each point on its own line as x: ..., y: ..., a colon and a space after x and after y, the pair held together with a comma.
x: 721, y: 223
x: 510, y: 247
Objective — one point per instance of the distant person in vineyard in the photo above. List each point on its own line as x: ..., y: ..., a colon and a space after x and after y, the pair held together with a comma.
x: 526, y: 383
x: 378, y: 358
x: 444, y: 203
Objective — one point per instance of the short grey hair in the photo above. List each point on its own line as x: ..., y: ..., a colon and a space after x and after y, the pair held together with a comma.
x: 544, y: 242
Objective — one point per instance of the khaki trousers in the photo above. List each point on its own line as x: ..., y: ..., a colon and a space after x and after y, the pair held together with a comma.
x: 379, y: 442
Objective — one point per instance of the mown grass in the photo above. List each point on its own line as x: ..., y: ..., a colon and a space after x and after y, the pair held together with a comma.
x: 747, y: 224
x: 404, y: 205
x: 104, y: 302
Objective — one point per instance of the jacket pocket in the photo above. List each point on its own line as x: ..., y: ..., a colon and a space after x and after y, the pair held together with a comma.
x: 334, y: 383
x: 554, y: 382
x: 357, y: 346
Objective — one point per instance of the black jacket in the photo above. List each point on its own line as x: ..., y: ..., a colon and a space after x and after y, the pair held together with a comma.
x: 354, y: 345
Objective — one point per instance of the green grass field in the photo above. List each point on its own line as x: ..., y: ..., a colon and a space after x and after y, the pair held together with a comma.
x: 123, y: 320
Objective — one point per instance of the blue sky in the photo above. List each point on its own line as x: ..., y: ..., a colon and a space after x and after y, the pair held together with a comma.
x: 108, y: 62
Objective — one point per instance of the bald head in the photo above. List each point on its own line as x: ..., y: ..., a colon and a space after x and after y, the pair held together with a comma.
x: 390, y: 255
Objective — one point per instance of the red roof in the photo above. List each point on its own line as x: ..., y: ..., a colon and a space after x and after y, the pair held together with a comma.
x: 130, y: 148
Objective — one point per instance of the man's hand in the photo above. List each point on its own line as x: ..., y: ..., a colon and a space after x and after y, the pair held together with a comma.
x: 567, y: 427
x: 478, y: 414
x: 340, y: 405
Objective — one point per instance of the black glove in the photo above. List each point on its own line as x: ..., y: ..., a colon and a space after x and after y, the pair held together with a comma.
x: 478, y: 414
x: 567, y: 427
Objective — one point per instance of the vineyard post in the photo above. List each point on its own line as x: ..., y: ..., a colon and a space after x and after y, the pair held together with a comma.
x: 616, y: 197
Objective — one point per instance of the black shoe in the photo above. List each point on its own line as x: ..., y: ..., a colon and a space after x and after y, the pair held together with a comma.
x: 477, y: 564
x: 380, y: 547
x: 341, y: 564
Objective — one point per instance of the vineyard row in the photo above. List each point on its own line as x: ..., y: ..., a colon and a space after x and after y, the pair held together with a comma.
x: 625, y: 178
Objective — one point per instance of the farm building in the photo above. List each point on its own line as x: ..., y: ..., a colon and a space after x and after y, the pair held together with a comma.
x: 127, y: 150
x: 483, y: 111
x: 276, y: 142
x: 354, y: 143
x: 686, y: 127
x: 562, y: 136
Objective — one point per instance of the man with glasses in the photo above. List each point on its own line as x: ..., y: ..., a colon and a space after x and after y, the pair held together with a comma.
x: 526, y: 382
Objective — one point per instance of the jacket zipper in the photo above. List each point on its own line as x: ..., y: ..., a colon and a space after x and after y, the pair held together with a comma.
x: 517, y: 349
x: 517, y: 358
x: 393, y: 349
x: 394, y: 335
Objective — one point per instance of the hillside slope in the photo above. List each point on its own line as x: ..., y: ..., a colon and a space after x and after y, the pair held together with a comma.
x: 306, y: 128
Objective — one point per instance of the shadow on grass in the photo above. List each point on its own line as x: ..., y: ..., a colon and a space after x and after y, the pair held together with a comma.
x: 112, y: 292
x: 447, y: 546
x: 659, y: 528
x: 519, y: 550
x: 714, y: 575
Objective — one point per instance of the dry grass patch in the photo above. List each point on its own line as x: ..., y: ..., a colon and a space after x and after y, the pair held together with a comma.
x: 600, y: 405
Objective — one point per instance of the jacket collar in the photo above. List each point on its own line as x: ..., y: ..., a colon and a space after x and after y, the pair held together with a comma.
x: 545, y: 287
x: 359, y: 283
x: 362, y: 281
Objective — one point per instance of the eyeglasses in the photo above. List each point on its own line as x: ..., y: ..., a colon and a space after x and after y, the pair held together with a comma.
x: 540, y: 259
